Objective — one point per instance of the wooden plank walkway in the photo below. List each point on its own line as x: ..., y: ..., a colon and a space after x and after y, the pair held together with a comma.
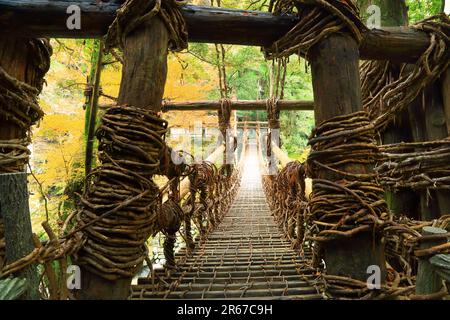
x: 246, y: 257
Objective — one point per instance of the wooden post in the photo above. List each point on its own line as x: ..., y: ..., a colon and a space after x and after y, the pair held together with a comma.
x: 143, y: 80
x: 428, y: 281
x: 445, y: 86
x: 337, y: 91
x: 436, y: 130
x: 428, y: 123
x: 15, y: 211
x: 428, y: 207
x: 14, y: 59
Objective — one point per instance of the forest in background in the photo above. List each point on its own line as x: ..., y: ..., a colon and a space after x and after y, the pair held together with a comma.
x: 58, y: 150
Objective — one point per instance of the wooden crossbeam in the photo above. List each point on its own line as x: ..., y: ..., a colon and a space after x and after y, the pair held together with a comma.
x: 47, y: 18
x: 242, y: 105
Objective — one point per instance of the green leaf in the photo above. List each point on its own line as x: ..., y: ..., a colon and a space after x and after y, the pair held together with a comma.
x: 11, y: 289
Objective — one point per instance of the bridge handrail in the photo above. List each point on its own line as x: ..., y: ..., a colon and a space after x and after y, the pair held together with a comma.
x: 433, y: 263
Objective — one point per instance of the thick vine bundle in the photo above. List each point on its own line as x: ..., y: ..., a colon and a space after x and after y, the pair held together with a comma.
x: 419, y: 165
x: 119, y: 207
x: 351, y: 202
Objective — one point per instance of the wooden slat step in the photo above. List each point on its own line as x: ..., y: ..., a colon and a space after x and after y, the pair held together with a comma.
x: 190, y: 279
x: 246, y: 262
x: 233, y: 286
x: 136, y: 296
x: 231, y: 274
x: 244, y: 240
x: 260, y: 267
x: 242, y: 256
x: 240, y: 236
x: 231, y: 293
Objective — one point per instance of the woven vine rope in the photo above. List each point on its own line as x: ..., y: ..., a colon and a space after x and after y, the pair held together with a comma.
x: 134, y: 13
x: 419, y: 165
x: 386, y: 91
x: 286, y: 198
x: 120, y: 204
x: 273, y: 113
x: 352, y: 202
x: 402, y: 240
x: 318, y: 19
x: 170, y: 218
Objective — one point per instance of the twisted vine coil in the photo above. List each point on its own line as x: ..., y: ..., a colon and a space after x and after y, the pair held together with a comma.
x: 119, y: 207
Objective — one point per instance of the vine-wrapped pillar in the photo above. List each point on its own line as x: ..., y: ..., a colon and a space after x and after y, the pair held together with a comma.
x: 224, y: 116
x: 337, y: 92
x: 143, y: 80
x: 273, y: 134
x: 23, y: 65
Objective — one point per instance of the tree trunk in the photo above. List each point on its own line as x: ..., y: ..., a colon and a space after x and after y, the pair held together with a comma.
x: 337, y: 91
x: 15, y: 212
x: 436, y: 129
x: 143, y: 79
x: 92, y: 108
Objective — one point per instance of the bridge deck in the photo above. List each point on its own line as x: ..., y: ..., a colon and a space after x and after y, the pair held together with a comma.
x: 245, y: 257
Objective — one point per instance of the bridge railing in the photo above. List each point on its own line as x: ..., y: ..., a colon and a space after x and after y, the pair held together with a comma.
x: 433, y: 264
x: 286, y: 191
x: 202, y: 197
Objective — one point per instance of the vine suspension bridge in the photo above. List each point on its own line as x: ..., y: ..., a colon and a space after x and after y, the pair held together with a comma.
x: 246, y: 256
x: 263, y: 227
